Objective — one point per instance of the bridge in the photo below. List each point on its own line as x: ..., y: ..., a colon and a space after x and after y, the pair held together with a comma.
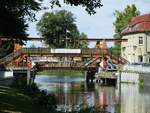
x: 22, y: 56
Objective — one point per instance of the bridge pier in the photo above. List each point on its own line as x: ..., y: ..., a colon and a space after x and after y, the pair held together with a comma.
x: 90, y: 75
x: 27, y: 74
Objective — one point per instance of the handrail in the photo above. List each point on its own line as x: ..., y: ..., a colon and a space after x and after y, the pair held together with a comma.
x: 120, y: 59
x: 91, y: 61
x: 41, y: 51
x: 10, y: 56
x: 60, y: 64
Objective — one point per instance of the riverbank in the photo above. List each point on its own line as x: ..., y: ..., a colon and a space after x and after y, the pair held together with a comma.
x: 15, y: 101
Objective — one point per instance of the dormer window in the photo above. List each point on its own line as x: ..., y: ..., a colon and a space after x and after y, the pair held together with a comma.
x: 140, y: 40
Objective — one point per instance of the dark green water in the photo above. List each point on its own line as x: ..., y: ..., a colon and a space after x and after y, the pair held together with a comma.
x: 72, y: 93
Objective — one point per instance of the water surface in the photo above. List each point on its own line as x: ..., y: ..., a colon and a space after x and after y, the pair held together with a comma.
x: 73, y: 93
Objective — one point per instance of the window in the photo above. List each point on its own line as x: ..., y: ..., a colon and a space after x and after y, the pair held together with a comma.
x: 140, y: 58
x: 140, y: 40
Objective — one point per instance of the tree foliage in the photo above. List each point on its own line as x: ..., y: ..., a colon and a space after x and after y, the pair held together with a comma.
x: 13, y: 21
x: 83, y: 44
x: 14, y: 16
x: 90, y: 5
x: 59, y: 29
x: 16, y: 13
x: 122, y: 20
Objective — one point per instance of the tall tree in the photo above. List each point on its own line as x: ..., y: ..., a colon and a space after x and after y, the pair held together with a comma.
x: 83, y: 44
x: 59, y: 29
x: 14, y: 17
x: 13, y: 21
x: 90, y: 5
x: 122, y: 20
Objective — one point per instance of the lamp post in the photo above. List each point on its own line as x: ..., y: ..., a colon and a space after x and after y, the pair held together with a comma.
x: 67, y: 31
x: 66, y: 45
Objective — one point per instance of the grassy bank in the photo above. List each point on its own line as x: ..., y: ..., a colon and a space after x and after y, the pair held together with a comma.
x: 62, y: 72
x: 14, y: 101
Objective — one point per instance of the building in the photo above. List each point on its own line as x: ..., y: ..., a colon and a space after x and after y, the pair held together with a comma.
x: 137, y: 48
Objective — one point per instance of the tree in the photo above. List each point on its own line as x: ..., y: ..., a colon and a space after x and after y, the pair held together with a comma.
x: 83, y: 44
x: 14, y: 17
x: 16, y: 13
x: 59, y: 29
x: 90, y: 5
x: 13, y: 21
x: 122, y: 20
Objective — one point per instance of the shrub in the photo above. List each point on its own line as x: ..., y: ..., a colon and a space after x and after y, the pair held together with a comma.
x: 46, y: 101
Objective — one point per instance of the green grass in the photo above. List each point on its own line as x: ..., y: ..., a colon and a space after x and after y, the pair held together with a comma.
x: 141, y: 82
x: 14, y: 101
x: 62, y: 72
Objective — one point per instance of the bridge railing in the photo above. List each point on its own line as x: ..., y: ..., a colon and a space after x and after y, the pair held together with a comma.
x: 84, y: 51
x: 10, y: 57
x: 48, y: 50
x: 114, y: 54
x: 43, y: 51
x: 94, y: 51
x: 36, y: 50
x: 60, y: 64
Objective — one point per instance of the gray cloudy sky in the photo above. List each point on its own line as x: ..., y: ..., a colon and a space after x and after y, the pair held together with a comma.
x: 99, y: 25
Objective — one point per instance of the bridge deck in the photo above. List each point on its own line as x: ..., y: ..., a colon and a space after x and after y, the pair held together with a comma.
x: 84, y: 53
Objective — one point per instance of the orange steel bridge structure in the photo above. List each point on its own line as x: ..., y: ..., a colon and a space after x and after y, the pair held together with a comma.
x: 23, y: 54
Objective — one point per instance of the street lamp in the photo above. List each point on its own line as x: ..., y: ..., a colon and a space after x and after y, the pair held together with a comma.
x: 67, y: 31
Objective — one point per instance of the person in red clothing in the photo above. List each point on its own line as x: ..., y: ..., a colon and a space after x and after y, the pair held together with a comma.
x: 29, y: 64
x: 103, y: 64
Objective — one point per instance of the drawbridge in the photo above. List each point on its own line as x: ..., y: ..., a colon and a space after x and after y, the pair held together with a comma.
x: 89, y: 57
x: 94, y: 54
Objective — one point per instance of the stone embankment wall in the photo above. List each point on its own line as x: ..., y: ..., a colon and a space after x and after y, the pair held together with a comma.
x: 6, y: 74
x: 135, y: 73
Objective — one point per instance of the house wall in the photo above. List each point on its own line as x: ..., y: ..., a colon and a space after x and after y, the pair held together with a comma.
x: 132, y: 50
x: 148, y: 42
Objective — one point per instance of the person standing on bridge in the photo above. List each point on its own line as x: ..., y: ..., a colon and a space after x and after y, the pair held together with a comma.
x: 103, y: 64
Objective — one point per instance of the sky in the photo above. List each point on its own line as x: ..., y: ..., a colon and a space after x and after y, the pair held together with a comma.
x: 99, y: 25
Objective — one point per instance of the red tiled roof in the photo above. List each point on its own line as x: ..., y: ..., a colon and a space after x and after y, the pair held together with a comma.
x: 138, y: 24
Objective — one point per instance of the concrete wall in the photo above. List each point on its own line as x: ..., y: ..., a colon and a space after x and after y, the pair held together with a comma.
x: 146, y: 79
x: 137, y: 68
x: 129, y: 77
x: 6, y: 74
x: 133, y: 73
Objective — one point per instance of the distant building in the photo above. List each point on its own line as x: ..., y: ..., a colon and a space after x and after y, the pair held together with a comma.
x: 137, y: 49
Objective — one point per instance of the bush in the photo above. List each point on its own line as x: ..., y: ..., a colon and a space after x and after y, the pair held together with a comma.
x: 141, y: 82
x: 46, y: 101
x: 19, y: 82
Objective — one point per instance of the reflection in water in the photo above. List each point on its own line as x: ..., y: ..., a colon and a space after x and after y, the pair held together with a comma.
x: 135, y: 100
x: 72, y: 93
x: 77, y: 94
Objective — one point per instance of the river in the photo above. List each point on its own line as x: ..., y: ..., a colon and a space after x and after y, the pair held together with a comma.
x: 73, y: 93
